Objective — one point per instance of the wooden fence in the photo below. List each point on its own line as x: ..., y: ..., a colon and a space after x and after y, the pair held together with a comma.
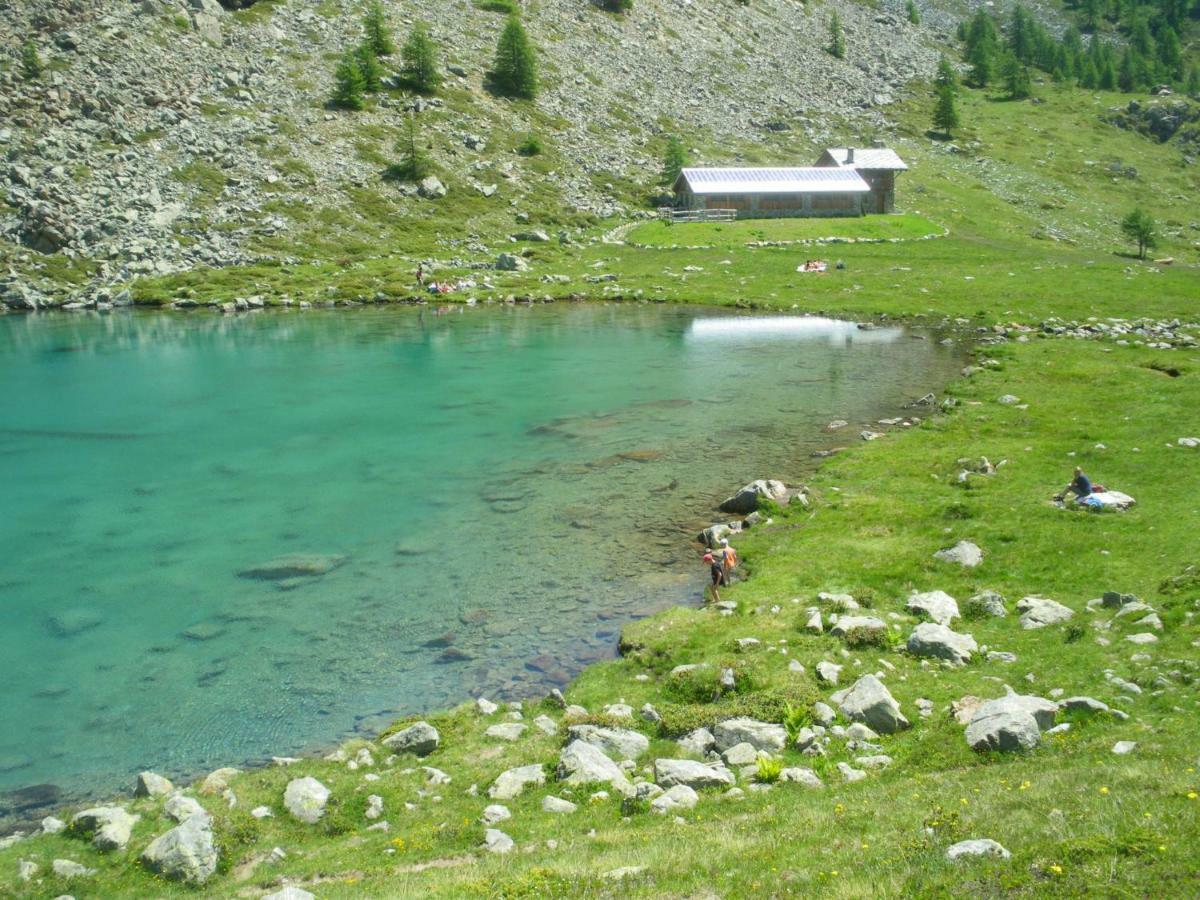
x: 671, y: 215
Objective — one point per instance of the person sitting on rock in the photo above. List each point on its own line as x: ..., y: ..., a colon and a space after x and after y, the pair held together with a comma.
x: 1081, y: 485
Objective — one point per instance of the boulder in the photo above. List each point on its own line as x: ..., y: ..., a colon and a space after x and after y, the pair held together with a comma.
x: 621, y: 743
x: 670, y: 772
x: 150, y: 784
x: 305, y: 798
x: 976, y: 847
x: 700, y: 742
x: 965, y: 553
x: 584, y: 763
x: 868, y: 624
x: 806, y: 777
x: 291, y: 892
x: 745, y: 501
x: 760, y: 735
x: 1087, y: 704
x: 185, y: 853
x: 431, y: 188
x: 507, y: 731
x: 937, y: 606
x: 109, y: 827
x: 989, y: 603
x: 558, y: 805
x: 938, y: 641
x: 1038, y: 612
x: 294, y: 565
x: 181, y: 808
x: 494, y: 813
x: 680, y: 796
x: 67, y: 868
x: 1010, y: 723
x: 742, y: 754
x: 513, y: 782
x: 420, y: 738
x: 496, y: 841
x: 218, y: 782
x: 828, y: 672
x: 1124, y: 748
x: 508, y: 262
x: 870, y: 702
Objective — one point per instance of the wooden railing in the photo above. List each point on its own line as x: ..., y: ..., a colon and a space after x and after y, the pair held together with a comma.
x: 671, y: 215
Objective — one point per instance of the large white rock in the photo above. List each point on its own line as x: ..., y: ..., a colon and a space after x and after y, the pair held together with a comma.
x: 670, y: 772
x: 584, y: 763
x: 870, y: 702
x: 622, y: 743
x: 68, y: 868
x: 151, y: 784
x: 496, y: 841
x: 557, y: 805
x: 507, y: 731
x: 420, y: 738
x: 938, y: 641
x: 1014, y: 722
x: 1038, y: 612
x: 495, y: 813
x: 699, y: 742
x: 846, y: 624
x: 975, y: 848
x: 513, y: 782
x: 806, y: 777
x: 110, y: 827
x: 745, y: 501
x: 305, y: 798
x: 185, y: 853
x: 679, y: 796
x: 760, y: 735
x: 181, y: 807
x: 291, y: 892
x: 965, y: 553
x: 937, y: 606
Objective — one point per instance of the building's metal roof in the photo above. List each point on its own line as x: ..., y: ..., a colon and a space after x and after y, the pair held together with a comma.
x: 868, y: 158
x: 810, y: 180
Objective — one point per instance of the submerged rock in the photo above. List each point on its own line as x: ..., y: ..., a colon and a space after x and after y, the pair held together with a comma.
x: 294, y: 565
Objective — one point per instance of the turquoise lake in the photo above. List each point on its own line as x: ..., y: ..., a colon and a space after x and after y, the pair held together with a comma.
x: 489, y: 494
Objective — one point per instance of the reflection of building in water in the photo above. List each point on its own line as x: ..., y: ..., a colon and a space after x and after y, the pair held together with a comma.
x: 744, y: 329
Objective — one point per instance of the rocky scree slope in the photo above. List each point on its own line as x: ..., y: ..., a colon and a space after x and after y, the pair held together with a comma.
x: 166, y: 134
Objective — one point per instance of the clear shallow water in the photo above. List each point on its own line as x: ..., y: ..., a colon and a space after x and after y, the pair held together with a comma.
x: 509, y: 484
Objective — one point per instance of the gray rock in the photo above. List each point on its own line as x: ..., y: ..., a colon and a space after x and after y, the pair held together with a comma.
x: 584, y: 763
x: 294, y: 565
x: 1010, y: 723
x: 291, y: 892
x: 305, y: 798
x: 26, y: 869
x: 558, y: 805
x: 975, y: 848
x: 965, y: 553
x: 846, y: 624
x: 507, y: 731
x: 699, y: 742
x: 988, y: 602
x: 420, y: 738
x: 181, y: 808
x: 67, y: 868
x: 1038, y: 612
x: 849, y: 773
x: 485, y: 707
x: 857, y: 731
x: 937, y: 606
x: 679, y: 796
x: 828, y: 672
x: 110, y: 827
x: 508, y: 262
x: 806, y: 777
x: 760, y: 735
x: 513, y: 782
x: 745, y: 501
x: 431, y: 188
x: 938, y: 641
x: 670, y: 772
x: 1087, y: 704
x: 742, y: 754
x: 621, y: 743
x: 870, y: 702
x: 877, y: 761
x: 546, y: 725
x: 217, y: 782
x: 150, y: 784
x: 824, y: 713
x: 496, y: 841
x: 185, y: 853
x: 495, y: 813
x: 52, y: 825
x: 1123, y: 748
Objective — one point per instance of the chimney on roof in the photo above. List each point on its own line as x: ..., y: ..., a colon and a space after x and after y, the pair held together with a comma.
x: 849, y: 156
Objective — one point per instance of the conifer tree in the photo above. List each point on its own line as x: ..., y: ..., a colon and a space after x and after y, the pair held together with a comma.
x: 348, y: 82
x: 1088, y: 77
x: 1193, y: 82
x: 378, y: 35
x: 414, y: 164
x: 945, y: 114
x: 515, y: 69
x: 945, y: 76
x: 31, y: 63
x: 1016, y: 78
x: 1170, y: 53
x: 1139, y: 227
x: 369, y: 68
x: 837, y: 41
x: 983, y: 66
x: 674, y: 159
x: 1108, y: 76
x: 420, y: 61
x: 1127, y: 72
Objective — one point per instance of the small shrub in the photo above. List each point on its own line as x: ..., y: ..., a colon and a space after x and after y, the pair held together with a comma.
x: 1074, y: 633
x: 616, y: 6
x: 768, y: 769
x: 31, y: 63
x: 414, y: 164
x: 634, y: 806
x: 530, y: 146
x: 508, y: 7
x: 858, y: 638
x: 893, y: 639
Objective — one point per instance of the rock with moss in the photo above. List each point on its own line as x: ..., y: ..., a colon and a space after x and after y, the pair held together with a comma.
x: 108, y: 827
x: 185, y: 853
x: 305, y: 798
x: 582, y: 763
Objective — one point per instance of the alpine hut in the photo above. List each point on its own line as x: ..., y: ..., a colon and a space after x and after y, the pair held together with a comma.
x: 763, y: 193
x: 877, y: 166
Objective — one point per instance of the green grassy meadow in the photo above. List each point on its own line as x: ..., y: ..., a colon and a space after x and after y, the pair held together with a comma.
x: 1030, y: 238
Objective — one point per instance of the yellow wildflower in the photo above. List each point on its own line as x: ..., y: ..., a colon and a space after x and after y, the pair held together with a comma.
x: 1056, y: 869
x: 1104, y: 790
